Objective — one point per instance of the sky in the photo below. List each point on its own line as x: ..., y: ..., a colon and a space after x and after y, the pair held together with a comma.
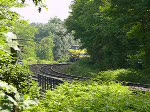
x: 56, y: 8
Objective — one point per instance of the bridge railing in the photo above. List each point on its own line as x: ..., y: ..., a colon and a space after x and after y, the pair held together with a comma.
x: 47, y: 82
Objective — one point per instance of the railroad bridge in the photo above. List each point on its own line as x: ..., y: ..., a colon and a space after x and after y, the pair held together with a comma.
x: 49, y: 75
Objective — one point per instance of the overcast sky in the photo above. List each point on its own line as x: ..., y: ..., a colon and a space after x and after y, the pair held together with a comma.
x: 59, y: 8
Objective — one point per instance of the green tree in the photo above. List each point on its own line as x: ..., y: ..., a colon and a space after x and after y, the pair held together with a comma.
x: 26, y: 33
x: 133, y: 18
x: 97, y: 33
x: 43, y: 31
x: 7, y: 18
x: 115, y: 32
x: 45, y: 49
x: 62, y: 39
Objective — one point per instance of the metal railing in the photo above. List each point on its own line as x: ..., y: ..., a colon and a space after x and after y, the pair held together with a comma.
x: 47, y: 82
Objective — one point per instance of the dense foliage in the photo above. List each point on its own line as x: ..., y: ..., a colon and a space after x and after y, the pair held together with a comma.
x: 44, y: 49
x: 12, y: 101
x: 26, y: 33
x: 93, y: 97
x: 115, y: 32
x: 62, y: 41
x: 7, y: 18
x: 18, y: 91
x: 17, y: 75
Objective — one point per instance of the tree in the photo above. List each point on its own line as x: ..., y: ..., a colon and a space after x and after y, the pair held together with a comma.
x: 96, y: 32
x: 7, y: 18
x: 45, y: 49
x: 132, y: 19
x: 115, y: 32
x: 62, y: 39
x: 26, y: 33
x: 43, y: 31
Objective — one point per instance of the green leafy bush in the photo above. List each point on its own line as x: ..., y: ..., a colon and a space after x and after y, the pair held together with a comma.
x: 18, y: 76
x: 20, y: 92
x: 34, y: 90
x: 85, y: 97
x: 12, y: 101
x: 8, y: 97
x: 5, y: 58
x: 126, y: 75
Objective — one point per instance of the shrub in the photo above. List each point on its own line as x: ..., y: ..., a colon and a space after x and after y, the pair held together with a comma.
x: 86, y: 69
x: 127, y: 75
x: 17, y: 76
x: 84, y: 97
x: 12, y: 101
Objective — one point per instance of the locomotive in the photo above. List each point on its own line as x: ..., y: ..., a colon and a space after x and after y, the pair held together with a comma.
x: 76, y: 53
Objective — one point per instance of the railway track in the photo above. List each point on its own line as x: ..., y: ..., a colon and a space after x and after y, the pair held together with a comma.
x: 53, y: 71
x: 49, y: 78
x: 137, y: 86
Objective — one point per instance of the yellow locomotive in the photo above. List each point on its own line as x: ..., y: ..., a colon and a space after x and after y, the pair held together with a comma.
x: 76, y: 53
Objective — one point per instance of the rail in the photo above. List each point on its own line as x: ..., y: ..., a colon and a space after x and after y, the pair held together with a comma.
x: 47, y: 82
x: 48, y: 78
x: 51, y: 71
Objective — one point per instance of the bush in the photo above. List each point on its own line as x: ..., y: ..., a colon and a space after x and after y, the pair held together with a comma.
x: 33, y: 90
x: 84, y: 97
x: 127, y: 75
x: 86, y: 69
x: 17, y: 76
x: 8, y: 97
x: 12, y: 101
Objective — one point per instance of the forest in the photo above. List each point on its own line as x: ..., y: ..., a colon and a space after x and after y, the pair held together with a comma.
x: 116, y: 36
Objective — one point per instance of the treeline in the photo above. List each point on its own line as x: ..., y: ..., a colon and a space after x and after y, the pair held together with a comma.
x: 115, y: 32
x: 44, y: 43
x: 60, y: 40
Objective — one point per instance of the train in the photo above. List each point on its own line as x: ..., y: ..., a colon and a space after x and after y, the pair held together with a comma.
x: 76, y: 53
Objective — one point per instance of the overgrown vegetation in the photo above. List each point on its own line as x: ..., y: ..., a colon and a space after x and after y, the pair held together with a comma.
x: 124, y: 75
x: 84, y: 68
x: 12, y: 101
x: 19, y: 91
x: 93, y: 97
x: 115, y: 34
